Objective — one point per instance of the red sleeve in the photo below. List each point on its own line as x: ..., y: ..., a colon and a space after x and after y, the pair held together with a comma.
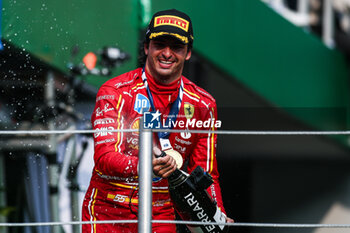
x: 204, y: 155
x: 109, y: 113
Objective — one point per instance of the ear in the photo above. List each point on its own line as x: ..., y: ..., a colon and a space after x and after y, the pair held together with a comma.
x: 188, y: 56
x: 145, y: 48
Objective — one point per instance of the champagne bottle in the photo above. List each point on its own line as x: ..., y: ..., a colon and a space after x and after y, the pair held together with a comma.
x: 192, y: 202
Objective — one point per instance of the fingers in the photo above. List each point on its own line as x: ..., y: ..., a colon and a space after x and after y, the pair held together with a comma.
x: 156, y: 151
x: 166, y: 171
x: 164, y: 166
x: 229, y: 220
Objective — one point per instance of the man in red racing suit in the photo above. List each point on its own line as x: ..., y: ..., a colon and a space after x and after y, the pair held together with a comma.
x: 120, y: 102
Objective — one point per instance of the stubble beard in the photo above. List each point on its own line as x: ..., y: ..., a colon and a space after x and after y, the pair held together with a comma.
x: 164, y: 77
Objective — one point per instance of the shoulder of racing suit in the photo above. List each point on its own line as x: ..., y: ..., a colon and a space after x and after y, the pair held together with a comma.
x: 198, y: 94
x: 125, y: 81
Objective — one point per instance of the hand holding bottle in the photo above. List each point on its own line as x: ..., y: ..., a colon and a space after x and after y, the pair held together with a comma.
x: 163, y: 165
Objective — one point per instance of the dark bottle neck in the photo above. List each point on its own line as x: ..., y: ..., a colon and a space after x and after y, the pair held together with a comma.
x: 176, y: 178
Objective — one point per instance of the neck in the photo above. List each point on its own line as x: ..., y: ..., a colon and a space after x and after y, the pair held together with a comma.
x: 156, y: 84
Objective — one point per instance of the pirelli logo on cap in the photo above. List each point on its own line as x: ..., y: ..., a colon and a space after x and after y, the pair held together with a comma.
x: 172, y: 21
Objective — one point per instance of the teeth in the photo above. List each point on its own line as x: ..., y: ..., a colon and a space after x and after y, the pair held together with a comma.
x: 166, y: 62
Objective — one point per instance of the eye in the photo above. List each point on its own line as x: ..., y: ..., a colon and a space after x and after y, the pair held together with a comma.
x: 177, y: 46
x: 159, y: 44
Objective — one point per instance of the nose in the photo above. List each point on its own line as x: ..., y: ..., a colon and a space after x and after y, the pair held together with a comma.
x: 167, y: 53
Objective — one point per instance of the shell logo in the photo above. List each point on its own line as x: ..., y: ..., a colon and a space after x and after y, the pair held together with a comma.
x: 135, y: 125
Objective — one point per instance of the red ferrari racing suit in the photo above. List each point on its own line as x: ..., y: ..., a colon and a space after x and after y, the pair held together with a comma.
x: 113, y: 189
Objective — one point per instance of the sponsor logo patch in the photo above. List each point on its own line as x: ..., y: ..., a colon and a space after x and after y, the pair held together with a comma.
x: 104, y: 121
x: 122, y: 84
x: 141, y: 104
x: 185, y: 135
x: 189, y: 110
x: 105, y: 141
x: 179, y: 148
x: 135, y: 125
x: 105, y: 97
x: 133, y: 143
x: 106, y: 108
x: 183, y: 141
x: 103, y: 131
x: 172, y: 21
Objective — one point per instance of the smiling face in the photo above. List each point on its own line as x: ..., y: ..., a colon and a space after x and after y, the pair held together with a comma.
x: 165, y: 58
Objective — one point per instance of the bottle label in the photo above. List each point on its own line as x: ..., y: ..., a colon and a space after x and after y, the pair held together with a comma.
x: 219, y: 217
x: 199, y: 212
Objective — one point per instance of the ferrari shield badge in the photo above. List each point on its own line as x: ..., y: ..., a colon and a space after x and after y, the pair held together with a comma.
x: 188, y: 110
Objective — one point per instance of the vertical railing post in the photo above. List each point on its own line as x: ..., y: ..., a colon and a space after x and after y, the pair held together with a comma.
x: 145, y: 180
x: 303, y: 7
x: 50, y: 95
x: 328, y: 23
x: 3, y: 201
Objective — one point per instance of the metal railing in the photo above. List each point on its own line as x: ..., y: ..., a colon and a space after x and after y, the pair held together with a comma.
x: 145, y: 180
